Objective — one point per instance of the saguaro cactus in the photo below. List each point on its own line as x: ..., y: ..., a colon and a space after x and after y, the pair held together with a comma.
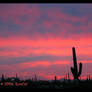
x: 35, y: 77
x: 3, y: 77
x: 74, y: 69
x: 88, y: 77
x: 55, y: 78
x: 68, y: 76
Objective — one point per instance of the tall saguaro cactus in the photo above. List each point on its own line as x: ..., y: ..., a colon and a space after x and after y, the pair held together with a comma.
x: 74, y: 69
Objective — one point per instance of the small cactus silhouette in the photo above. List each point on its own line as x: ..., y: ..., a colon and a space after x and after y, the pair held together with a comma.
x: 55, y: 78
x: 3, y: 78
x: 88, y: 77
x: 68, y: 76
x: 75, y: 72
x: 16, y: 75
x: 35, y: 78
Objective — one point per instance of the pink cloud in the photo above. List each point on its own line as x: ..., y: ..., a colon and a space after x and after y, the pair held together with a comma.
x: 51, y: 46
x: 58, y: 42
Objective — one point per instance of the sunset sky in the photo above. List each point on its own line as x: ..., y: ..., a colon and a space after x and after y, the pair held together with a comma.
x: 38, y: 39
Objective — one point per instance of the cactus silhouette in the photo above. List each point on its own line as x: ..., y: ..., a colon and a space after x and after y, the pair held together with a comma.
x: 35, y: 79
x: 55, y: 78
x: 75, y: 72
x: 88, y: 77
x: 3, y: 78
x: 68, y: 76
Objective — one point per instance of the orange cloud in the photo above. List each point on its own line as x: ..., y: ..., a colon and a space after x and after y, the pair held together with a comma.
x: 85, y: 61
x: 41, y: 63
x: 36, y: 64
x: 60, y: 62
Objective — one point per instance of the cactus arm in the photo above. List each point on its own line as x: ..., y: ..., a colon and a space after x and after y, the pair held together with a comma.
x: 80, y: 69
